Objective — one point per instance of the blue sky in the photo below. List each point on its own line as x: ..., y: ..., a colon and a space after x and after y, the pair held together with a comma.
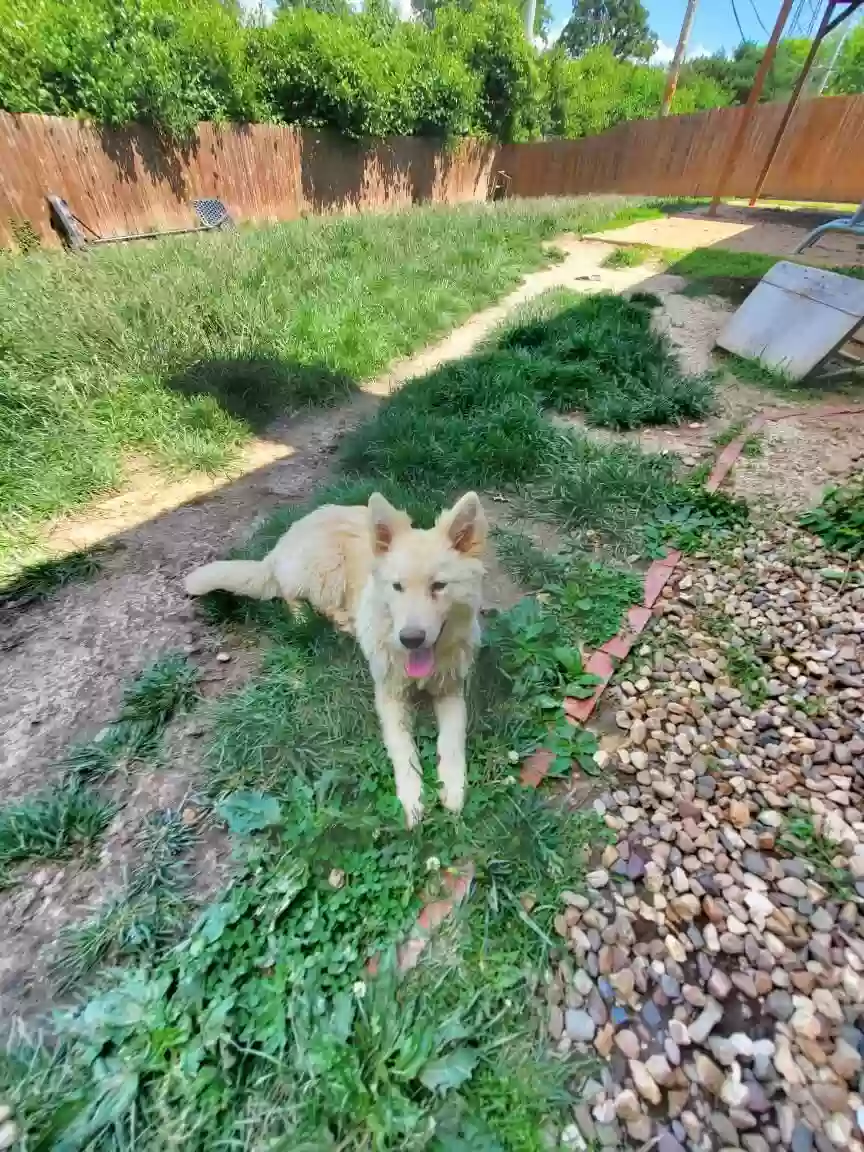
x: 714, y: 26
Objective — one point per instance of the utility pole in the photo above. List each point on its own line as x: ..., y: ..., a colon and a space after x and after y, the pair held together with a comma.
x: 530, y: 15
x: 734, y: 149
x: 678, y: 58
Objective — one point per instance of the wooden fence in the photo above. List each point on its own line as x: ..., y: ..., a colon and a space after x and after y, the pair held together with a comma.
x: 821, y: 157
x: 128, y: 180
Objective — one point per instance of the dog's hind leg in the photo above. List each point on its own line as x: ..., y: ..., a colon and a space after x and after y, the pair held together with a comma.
x: 396, y: 730
x: 452, y: 716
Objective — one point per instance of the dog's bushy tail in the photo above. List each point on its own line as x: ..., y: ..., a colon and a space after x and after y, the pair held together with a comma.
x: 244, y: 577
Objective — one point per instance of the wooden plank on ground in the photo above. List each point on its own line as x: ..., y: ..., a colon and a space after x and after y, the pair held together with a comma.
x: 795, y: 317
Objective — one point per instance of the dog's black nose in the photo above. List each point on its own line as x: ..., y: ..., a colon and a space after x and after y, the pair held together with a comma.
x: 412, y: 637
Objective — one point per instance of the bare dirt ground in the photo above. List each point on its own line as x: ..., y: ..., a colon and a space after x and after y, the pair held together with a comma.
x: 772, y: 231
x: 64, y: 661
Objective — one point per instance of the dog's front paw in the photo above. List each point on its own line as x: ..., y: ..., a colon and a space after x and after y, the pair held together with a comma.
x: 452, y: 797
x: 413, y: 812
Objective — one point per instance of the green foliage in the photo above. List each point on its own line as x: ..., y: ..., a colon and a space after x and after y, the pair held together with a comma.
x: 692, y: 518
x: 52, y: 826
x: 800, y: 840
x: 169, y: 63
x: 839, y: 520
x: 619, y: 25
x: 630, y: 257
x: 39, y: 581
x: 479, y: 422
x: 264, y: 1023
x: 848, y: 79
x: 491, y: 40
x: 426, y: 12
x: 602, y: 355
x: 597, y: 91
x: 319, y: 70
x: 464, y: 69
x: 146, y: 918
x: 735, y: 74
x: 151, y: 700
x: 589, y: 598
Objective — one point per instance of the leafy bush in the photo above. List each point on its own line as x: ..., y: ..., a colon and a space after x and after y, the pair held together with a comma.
x: 172, y: 63
x: 595, y: 92
x: 491, y: 40
x: 169, y: 63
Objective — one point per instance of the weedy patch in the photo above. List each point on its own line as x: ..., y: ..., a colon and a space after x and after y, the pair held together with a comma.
x: 175, y: 350
x: 587, y: 597
x: 54, y: 825
x: 748, y: 673
x: 799, y: 838
x: 753, y: 444
x: 839, y: 520
x: 695, y: 519
x: 147, y: 917
x: 630, y: 256
x: 150, y: 701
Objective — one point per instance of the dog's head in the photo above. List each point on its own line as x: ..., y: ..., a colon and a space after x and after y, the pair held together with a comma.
x: 421, y: 576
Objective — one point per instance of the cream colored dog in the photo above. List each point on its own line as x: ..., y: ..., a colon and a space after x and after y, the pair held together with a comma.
x: 411, y: 597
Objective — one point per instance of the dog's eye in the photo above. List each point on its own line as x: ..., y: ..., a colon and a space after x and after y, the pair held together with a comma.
x: 439, y: 585
x: 397, y: 587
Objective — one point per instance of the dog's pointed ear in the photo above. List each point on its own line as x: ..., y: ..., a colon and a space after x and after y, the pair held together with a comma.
x: 385, y: 522
x: 465, y: 525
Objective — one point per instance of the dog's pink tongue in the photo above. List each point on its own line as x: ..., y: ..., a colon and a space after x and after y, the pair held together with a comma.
x: 420, y: 663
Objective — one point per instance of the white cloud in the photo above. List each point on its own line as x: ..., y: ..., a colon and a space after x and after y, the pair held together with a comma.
x: 664, y: 53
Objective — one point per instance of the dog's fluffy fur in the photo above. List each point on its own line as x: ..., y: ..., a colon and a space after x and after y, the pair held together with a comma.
x: 411, y: 597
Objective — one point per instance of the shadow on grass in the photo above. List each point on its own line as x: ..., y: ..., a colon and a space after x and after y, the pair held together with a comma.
x: 38, y: 581
x: 732, y: 275
x: 255, y: 389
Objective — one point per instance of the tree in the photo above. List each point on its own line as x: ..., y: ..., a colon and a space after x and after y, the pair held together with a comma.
x: 331, y: 7
x: 426, y: 11
x: 848, y: 76
x: 737, y: 72
x: 620, y: 25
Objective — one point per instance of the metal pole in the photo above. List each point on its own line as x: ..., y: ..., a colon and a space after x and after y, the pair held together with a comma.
x: 750, y: 107
x: 678, y: 58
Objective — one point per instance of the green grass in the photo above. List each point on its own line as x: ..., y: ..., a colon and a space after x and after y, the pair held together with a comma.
x: 753, y: 445
x: 263, y: 1026
x: 480, y: 422
x: 799, y: 839
x: 182, y: 348
x: 589, y: 597
x: 54, y: 825
x: 630, y: 257
x: 724, y: 272
x: 150, y: 701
